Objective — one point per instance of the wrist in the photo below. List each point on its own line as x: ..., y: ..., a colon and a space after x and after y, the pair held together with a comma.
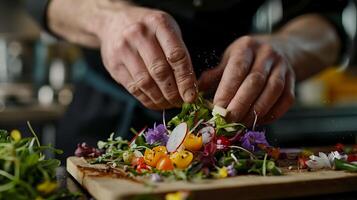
x: 281, y: 44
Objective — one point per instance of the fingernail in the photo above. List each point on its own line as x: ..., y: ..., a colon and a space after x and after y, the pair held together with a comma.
x: 190, y: 94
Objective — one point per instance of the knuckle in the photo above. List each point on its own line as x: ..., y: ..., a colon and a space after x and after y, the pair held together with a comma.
x: 268, y: 50
x: 247, y: 40
x: 143, y: 80
x: 158, y: 17
x: 257, y: 78
x: 133, y: 89
x: 134, y: 30
x: 183, y: 78
x: 121, y: 47
x: 239, y: 52
x: 172, y: 96
x: 160, y: 70
x: 177, y: 56
x: 241, y: 67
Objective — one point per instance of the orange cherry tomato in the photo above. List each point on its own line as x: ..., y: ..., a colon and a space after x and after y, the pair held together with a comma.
x: 165, y: 164
x: 152, y: 156
x: 193, y: 142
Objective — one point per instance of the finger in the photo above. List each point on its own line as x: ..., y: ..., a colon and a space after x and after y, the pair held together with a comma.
x: 237, y: 68
x: 272, y: 91
x: 161, y: 72
x: 270, y: 95
x: 252, y: 85
x: 122, y: 76
x: 284, y: 102
x: 175, y: 51
x: 140, y: 75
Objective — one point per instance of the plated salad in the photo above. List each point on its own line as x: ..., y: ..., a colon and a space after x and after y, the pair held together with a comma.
x: 198, y: 143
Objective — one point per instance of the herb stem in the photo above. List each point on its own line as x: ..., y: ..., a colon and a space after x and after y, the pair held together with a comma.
x: 33, y: 133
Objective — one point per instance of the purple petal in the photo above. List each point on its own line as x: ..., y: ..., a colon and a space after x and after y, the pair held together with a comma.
x: 158, y: 134
x: 231, y: 170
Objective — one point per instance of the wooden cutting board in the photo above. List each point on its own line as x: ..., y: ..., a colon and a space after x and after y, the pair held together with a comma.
x: 105, y: 185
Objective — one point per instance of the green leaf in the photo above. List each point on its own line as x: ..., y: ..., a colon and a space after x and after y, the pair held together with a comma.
x: 344, y: 165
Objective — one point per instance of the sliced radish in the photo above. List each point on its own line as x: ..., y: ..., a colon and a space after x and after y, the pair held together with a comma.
x: 137, y: 135
x: 177, y: 137
x: 207, y: 133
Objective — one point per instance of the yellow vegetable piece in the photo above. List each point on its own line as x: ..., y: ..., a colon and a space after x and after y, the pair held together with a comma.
x: 152, y: 156
x: 193, y: 142
x: 15, y: 135
x: 222, y: 172
x: 181, y: 159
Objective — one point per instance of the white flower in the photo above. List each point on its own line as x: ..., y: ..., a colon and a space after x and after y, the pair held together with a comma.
x: 324, y: 161
x: 336, y: 155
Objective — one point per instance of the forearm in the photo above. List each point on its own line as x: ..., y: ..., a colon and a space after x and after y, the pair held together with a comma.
x: 80, y: 21
x: 310, y: 44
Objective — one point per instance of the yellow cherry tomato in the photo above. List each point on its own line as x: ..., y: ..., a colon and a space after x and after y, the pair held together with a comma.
x: 193, y: 142
x: 152, y: 156
x: 165, y: 164
x: 181, y: 159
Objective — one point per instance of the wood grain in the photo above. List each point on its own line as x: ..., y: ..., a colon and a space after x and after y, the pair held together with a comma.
x: 109, y: 186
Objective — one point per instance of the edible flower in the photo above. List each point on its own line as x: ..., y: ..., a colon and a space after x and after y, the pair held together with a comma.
x: 222, y: 143
x: 84, y: 150
x: 231, y: 170
x: 155, y: 177
x: 318, y: 162
x: 251, y: 139
x: 221, y: 172
x: 324, y: 161
x: 15, y: 135
x: 47, y: 187
x: 158, y: 134
x: 336, y: 155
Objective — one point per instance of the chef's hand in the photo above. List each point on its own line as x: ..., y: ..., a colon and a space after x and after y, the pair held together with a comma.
x: 252, y: 76
x: 143, y: 50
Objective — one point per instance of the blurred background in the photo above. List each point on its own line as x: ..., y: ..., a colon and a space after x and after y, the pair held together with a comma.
x: 37, y: 73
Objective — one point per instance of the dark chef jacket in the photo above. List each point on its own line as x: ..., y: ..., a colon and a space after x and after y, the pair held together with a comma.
x: 208, y: 27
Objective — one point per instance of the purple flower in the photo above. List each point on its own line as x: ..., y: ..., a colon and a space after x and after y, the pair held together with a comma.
x: 231, y: 170
x: 158, y: 134
x: 251, y: 139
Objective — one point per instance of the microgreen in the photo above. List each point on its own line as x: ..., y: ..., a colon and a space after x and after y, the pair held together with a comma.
x: 25, y: 172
